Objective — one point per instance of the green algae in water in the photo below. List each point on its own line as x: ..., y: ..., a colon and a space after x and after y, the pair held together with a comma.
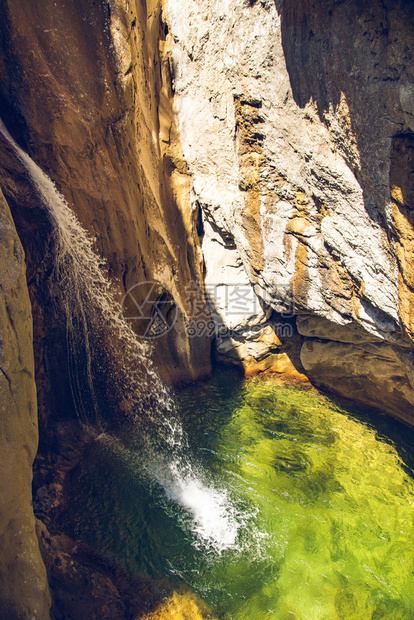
x: 324, y: 505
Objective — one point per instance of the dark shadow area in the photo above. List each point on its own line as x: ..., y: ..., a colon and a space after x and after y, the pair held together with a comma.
x: 402, y: 194
x: 402, y: 169
x: 353, y: 57
x: 35, y: 231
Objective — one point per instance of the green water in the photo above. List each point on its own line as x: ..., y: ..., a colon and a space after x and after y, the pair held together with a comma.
x: 286, y: 505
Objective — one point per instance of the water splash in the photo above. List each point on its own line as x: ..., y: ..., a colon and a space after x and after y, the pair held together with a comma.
x: 214, y: 521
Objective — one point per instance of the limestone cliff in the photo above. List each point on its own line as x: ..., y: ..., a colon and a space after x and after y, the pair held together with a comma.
x: 24, y: 591
x: 296, y: 121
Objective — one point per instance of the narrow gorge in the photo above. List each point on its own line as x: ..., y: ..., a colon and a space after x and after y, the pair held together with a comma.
x: 206, y: 309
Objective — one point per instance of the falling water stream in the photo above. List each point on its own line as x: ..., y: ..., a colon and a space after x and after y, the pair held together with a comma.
x: 102, y: 348
x: 270, y: 502
x: 100, y: 344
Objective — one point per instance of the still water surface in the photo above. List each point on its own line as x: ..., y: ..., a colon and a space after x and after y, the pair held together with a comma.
x: 271, y: 501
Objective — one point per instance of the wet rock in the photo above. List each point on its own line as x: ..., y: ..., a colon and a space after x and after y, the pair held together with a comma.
x: 87, y: 90
x: 88, y: 586
x: 374, y: 374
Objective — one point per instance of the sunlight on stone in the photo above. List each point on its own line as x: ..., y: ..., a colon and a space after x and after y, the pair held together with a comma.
x: 181, y: 607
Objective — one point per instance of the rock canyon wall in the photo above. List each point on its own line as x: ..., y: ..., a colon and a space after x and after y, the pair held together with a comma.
x: 296, y: 122
x: 253, y: 157
x: 24, y: 591
x: 86, y: 91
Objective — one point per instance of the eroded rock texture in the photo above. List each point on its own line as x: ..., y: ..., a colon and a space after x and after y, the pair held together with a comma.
x: 296, y: 121
x: 86, y: 89
x: 278, y: 135
x: 24, y: 592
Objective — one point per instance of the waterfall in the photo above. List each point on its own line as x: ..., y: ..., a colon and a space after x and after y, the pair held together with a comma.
x: 98, y: 339
x: 100, y: 343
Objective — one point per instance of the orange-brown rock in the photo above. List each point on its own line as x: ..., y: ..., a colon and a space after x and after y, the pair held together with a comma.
x: 86, y: 89
x: 374, y: 374
x: 180, y: 606
x: 402, y: 195
x: 24, y: 592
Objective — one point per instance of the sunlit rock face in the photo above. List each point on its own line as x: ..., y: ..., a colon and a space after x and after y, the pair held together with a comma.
x: 289, y: 115
x: 24, y: 592
x: 288, y: 125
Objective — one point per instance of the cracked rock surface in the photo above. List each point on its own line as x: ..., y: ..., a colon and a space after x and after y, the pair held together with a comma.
x: 296, y: 121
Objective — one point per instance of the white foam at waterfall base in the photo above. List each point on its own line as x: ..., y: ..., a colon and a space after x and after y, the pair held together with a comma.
x: 209, y: 511
x: 213, y: 517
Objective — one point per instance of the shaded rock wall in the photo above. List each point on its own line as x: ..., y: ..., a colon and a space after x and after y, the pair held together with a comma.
x: 24, y: 590
x: 296, y: 121
x: 86, y: 89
